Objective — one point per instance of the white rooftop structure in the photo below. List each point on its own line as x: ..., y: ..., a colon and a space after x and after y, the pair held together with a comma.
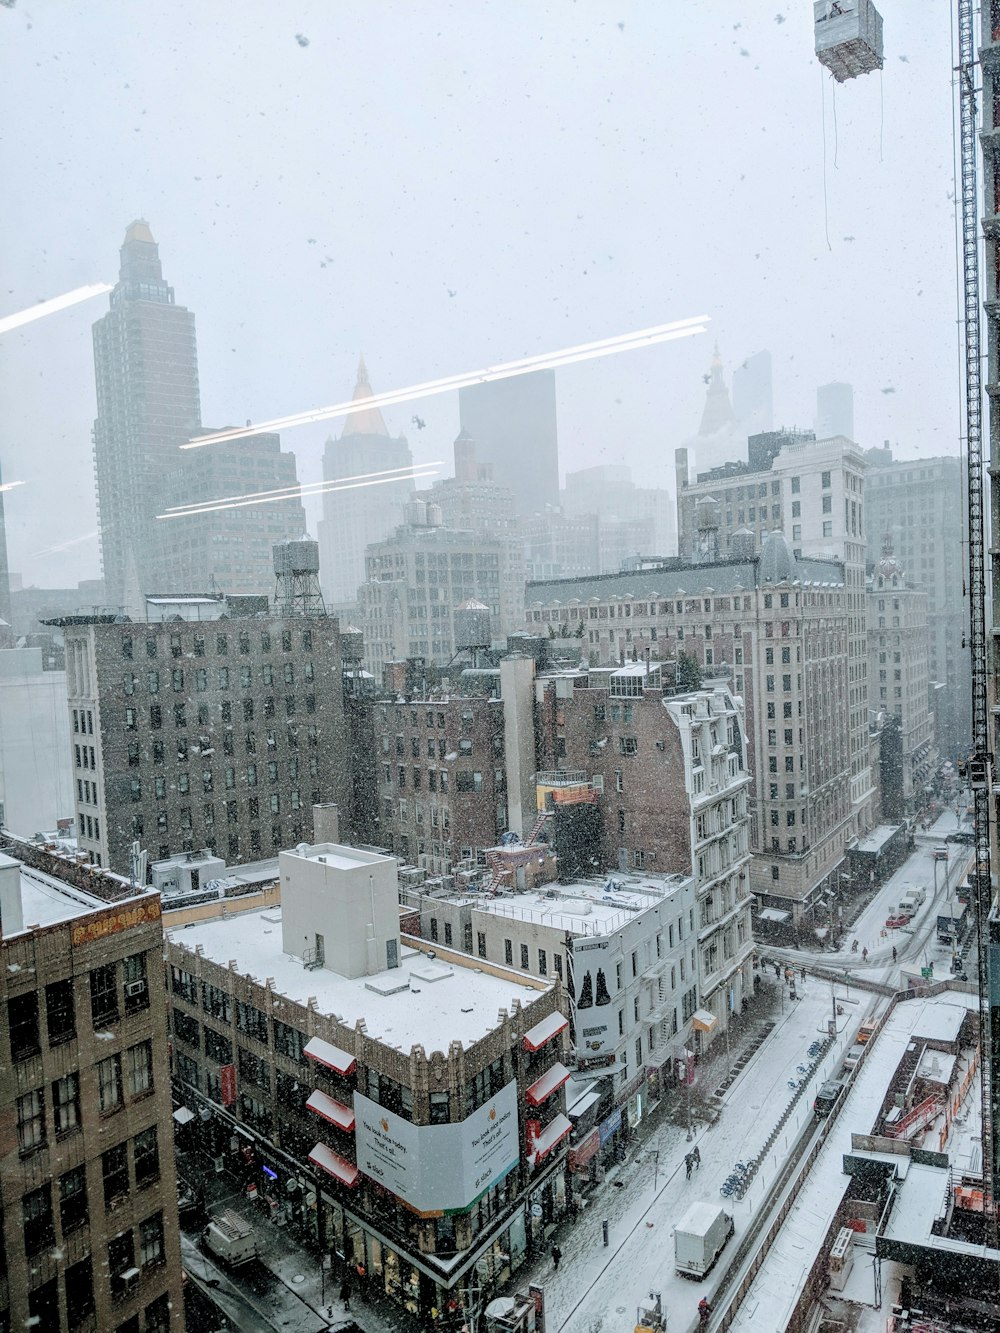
x: 423, y: 1001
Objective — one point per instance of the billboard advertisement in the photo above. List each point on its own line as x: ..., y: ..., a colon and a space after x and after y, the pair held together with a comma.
x: 438, y: 1168
x: 593, y: 977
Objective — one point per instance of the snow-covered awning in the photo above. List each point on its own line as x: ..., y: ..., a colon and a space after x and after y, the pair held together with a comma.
x: 336, y: 1112
x: 550, y: 1082
x: 552, y: 1135
x: 183, y: 1115
x: 536, y: 1037
x: 331, y: 1056
x: 703, y: 1021
x: 772, y: 914
x: 342, y: 1170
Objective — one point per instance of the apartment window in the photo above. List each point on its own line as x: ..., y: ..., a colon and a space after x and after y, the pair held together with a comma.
x: 628, y: 745
x: 60, y: 1012
x: 139, y: 1066
x: 31, y: 1122
x: 39, y: 1232
x: 153, y: 681
x: 73, y: 1201
x: 827, y: 504
x: 508, y: 952
x: 121, y: 1265
x: 104, y: 995
x: 543, y: 965
x: 825, y: 481
x: 180, y: 716
x: 146, y: 1157
x: 828, y: 528
x: 525, y: 962
x: 127, y: 649
x: 177, y: 680
x: 66, y: 1104
x: 114, y: 1173
x: 481, y: 943
x: 218, y: 1047
x: 109, y: 1084
x: 151, y: 1241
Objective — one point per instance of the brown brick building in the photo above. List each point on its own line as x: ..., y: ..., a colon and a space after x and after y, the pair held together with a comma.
x: 304, y: 1048
x: 441, y: 778
x: 87, y: 1183
x: 206, y: 733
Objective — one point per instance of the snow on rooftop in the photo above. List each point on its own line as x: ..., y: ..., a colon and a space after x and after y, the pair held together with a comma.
x: 771, y: 1298
x: 399, y: 1006
x: 585, y: 907
x: 45, y: 901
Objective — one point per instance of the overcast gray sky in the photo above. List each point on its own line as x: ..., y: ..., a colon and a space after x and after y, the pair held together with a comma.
x: 568, y: 170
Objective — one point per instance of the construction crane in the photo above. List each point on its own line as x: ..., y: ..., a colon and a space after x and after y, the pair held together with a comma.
x: 979, y: 769
x: 848, y: 44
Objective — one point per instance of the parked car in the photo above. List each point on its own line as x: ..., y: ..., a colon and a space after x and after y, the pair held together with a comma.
x: 894, y: 922
x: 940, y: 853
x: 826, y: 1098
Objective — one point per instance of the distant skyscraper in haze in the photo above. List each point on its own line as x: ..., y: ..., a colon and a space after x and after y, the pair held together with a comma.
x: 228, y: 549
x: 513, y: 423
x: 720, y: 436
x: 6, y: 614
x: 356, y: 516
x: 753, y: 398
x: 146, y: 372
x: 834, y: 411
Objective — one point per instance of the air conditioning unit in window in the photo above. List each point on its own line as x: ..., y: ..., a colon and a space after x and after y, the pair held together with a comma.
x: 134, y: 988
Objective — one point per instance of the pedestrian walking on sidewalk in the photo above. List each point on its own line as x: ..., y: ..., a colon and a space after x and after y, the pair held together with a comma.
x: 696, y: 1157
x: 688, y: 1163
x: 345, y: 1295
x: 803, y: 976
x: 893, y: 953
x: 556, y: 1256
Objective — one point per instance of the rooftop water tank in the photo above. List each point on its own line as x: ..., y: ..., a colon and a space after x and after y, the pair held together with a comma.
x: 296, y: 557
x: 472, y: 626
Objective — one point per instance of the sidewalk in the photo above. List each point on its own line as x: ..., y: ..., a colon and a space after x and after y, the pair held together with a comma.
x: 294, y: 1263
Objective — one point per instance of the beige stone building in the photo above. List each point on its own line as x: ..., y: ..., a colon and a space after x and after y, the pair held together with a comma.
x: 405, y: 1106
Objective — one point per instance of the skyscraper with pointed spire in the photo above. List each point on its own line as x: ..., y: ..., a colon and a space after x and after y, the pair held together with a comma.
x: 355, y: 516
x: 146, y: 373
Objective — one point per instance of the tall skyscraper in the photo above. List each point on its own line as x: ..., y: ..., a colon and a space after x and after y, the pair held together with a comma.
x: 834, y: 411
x: 357, y: 515
x: 146, y: 372
x: 753, y: 400
x: 228, y: 549
x: 513, y: 423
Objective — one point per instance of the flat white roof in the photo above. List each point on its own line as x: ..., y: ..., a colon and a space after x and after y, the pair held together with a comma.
x: 585, y: 907
x: 940, y: 1019
x: 336, y: 854
x: 45, y: 901
x: 878, y: 837
x: 400, y: 1007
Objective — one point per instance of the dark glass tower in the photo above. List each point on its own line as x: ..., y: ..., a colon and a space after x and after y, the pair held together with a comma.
x: 146, y: 371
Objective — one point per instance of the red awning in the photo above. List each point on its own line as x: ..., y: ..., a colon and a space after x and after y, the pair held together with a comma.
x: 536, y: 1037
x: 584, y: 1152
x: 337, y: 1114
x: 331, y: 1056
x: 550, y: 1082
x: 550, y: 1137
x: 344, y: 1171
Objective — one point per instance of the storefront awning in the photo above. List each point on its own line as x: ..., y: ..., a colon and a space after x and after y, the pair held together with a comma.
x: 703, y: 1021
x: 550, y: 1082
x: 342, y: 1170
x: 334, y: 1111
x: 550, y: 1137
x: 331, y: 1056
x: 536, y: 1037
x: 183, y: 1115
x: 585, y: 1151
x: 772, y: 914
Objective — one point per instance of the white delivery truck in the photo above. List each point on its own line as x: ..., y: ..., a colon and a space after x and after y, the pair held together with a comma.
x: 699, y: 1239
x: 911, y: 902
x: 230, y: 1238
